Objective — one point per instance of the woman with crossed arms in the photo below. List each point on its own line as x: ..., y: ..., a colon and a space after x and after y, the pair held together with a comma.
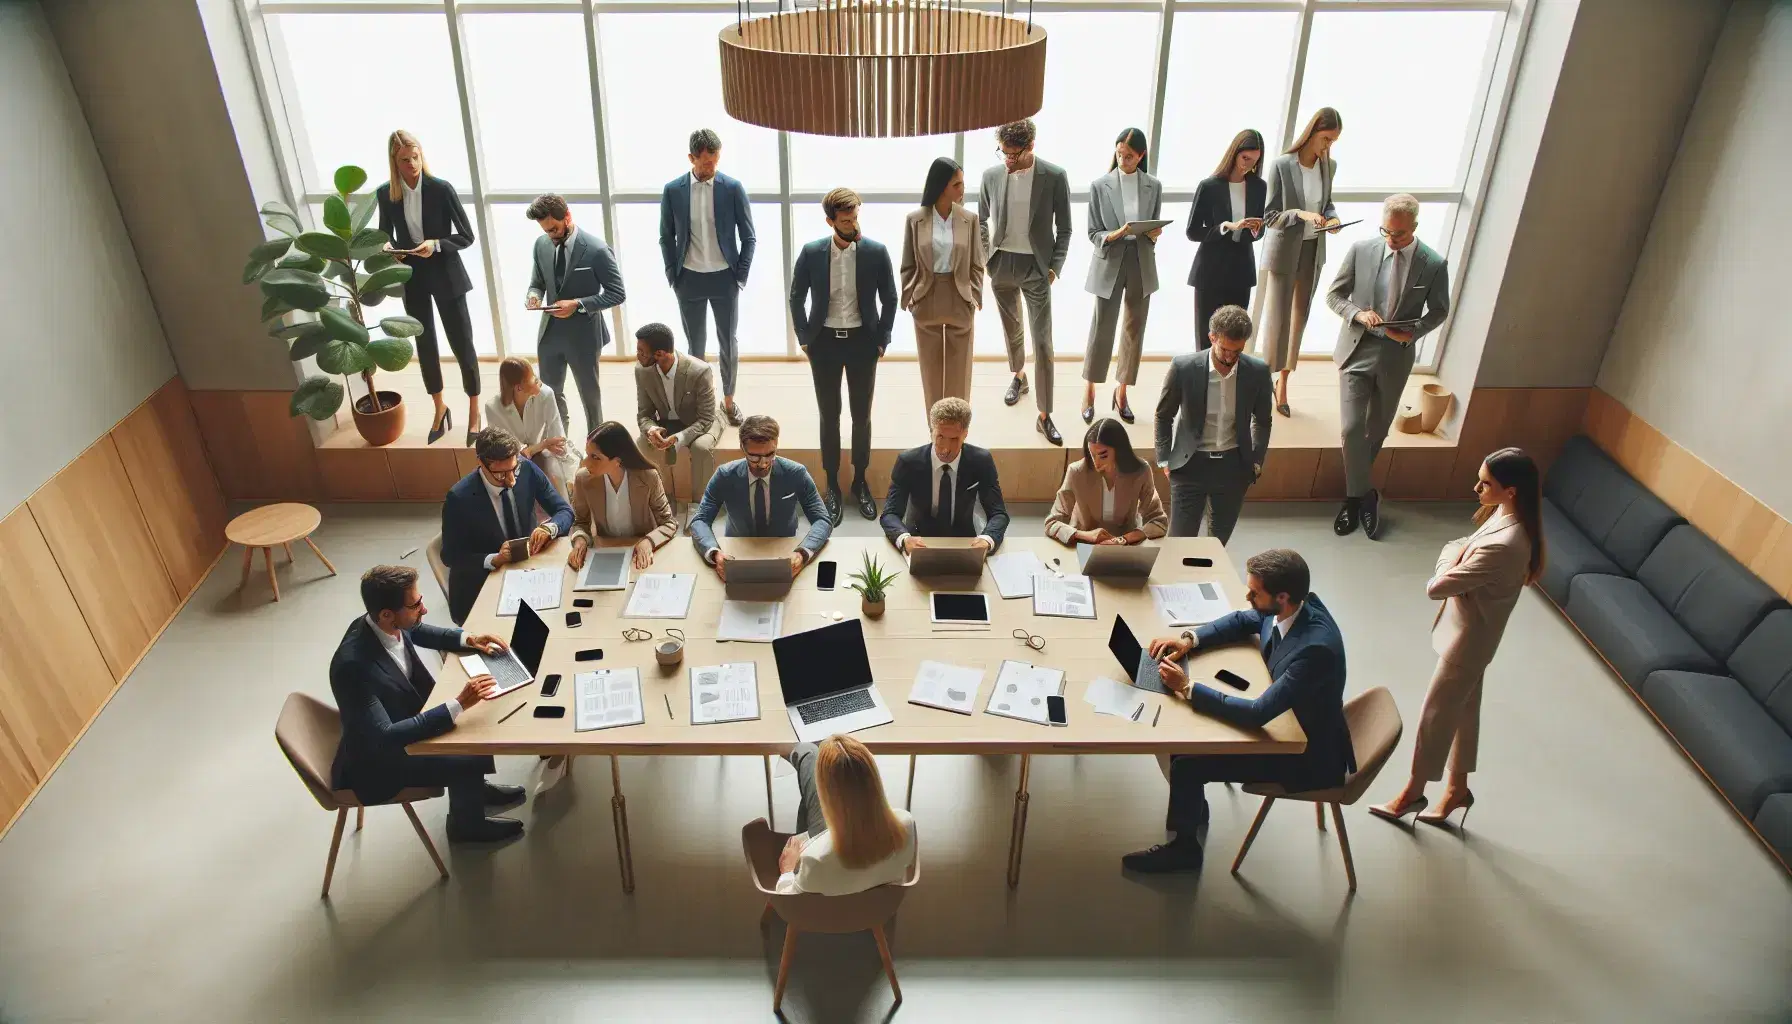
x: 1109, y: 496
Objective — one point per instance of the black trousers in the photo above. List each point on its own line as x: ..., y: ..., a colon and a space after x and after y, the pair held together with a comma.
x: 1190, y: 774
x: 463, y: 775
x: 456, y: 323
x: 1207, y: 300
x: 1210, y: 488
x: 855, y: 357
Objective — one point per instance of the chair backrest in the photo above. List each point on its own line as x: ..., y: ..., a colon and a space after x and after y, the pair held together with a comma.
x: 308, y: 731
x: 1374, y: 722
x: 433, y: 550
x: 813, y: 912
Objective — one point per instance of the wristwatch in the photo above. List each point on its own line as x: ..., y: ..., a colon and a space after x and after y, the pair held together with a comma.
x: 1190, y: 637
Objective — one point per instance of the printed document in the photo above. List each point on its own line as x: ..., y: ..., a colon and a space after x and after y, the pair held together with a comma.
x: 758, y: 622
x: 539, y: 587
x: 1014, y: 572
x: 607, y: 699
x: 1067, y: 597
x: 1111, y: 698
x: 661, y: 595
x: 947, y: 687
x: 724, y: 693
x: 1189, y: 604
x: 1021, y: 689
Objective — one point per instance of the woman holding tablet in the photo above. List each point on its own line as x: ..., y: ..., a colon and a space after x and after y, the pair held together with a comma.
x: 1123, y: 273
x: 618, y: 493
x: 1226, y: 219
x: 1109, y: 496
x: 1297, y: 213
x: 849, y: 838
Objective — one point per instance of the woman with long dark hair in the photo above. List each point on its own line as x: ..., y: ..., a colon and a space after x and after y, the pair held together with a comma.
x: 1226, y: 219
x: 1123, y: 272
x: 942, y: 281
x: 1298, y: 213
x: 618, y: 493
x: 1108, y: 496
x: 1478, y: 578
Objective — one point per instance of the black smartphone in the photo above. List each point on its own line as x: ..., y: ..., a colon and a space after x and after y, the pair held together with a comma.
x: 589, y: 655
x: 550, y: 711
x: 583, y: 602
x: 1232, y: 679
x: 824, y: 575
x: 573, y: 619
x: 1055, y: 712
x: 1198, y: 563
x: 550, y: 685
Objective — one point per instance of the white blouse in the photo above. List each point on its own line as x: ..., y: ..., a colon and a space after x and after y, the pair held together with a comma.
x: 535, y: 422
x: 1312, y: 188
x: 618, y: 521
x: 1236, y: 190
x: 942, y: 242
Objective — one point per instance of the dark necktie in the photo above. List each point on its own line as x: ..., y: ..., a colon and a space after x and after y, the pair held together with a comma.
x: 511, y: 530
x: 419, y: 677
x: 945, y: 509
x: 1275, y: 638
x: 762, y: 508
x: 559, y: 263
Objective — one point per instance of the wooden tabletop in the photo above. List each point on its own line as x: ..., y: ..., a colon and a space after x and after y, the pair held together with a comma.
x: 273, y: 524
x: 897, y: 643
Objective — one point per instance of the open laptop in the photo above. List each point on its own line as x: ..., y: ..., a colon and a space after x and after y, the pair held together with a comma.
x: 1132, y: 560
x: 757, y: 579
x: 937, y: 559
x: 605, y: 569
x: 1135, y: 659
x: 517, y: 666
x: 826, y: 678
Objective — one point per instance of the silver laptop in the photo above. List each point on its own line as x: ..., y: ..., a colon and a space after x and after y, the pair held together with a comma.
x: 758, y: 579
x: 605, y: 569
x: 1117, y: 559
x: 825, y: 675
x: 517, y: 666
x: 957, y: 560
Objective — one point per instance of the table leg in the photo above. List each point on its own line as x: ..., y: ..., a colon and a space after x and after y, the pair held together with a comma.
x: 248, y: 565
x: 908, y: 802
x: 768, y: 791
x: 267, y: 555
x: 1017, y: 836
x: 320, y: 555
x: 288, y: 546
x: 619, y: 819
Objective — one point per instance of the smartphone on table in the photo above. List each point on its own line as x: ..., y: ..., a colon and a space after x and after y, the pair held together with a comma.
x: 1055, y: 711
x: 824, y: 575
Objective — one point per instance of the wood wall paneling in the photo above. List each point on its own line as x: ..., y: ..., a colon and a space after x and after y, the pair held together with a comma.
x: 464, y: 462
x: 256, y: 448
x: 17, y: 779
x: 1419, y: 474
x: 422, y: 474
x: 1287, y: 475
x: 356, y: 474
x: 164, y: 459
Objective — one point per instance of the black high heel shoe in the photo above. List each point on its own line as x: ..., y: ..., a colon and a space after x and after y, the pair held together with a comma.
x: 1123, y: 407
x: 442, y: 425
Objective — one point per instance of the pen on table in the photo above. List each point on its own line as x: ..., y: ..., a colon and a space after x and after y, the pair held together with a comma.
x: 512, y: 711
x: 1136, y: 712
x: 1154, y: 714
x: 669, y: 708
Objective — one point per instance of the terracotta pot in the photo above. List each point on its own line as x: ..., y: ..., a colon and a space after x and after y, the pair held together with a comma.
x: 1407, y: 421
x: 1434, y: 401
x: 380, y: 428
x: 872, y: 609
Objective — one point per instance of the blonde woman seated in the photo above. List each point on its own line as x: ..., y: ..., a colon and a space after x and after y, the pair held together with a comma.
x: 849, y: 838
x: 1108, y: 497
x: 527, y: 408
x: 618, y: 493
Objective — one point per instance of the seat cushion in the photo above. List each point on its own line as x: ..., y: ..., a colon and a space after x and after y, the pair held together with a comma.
x: 1745, y: 752
x: 1570, y: 553
x: 1632, y: 630
x: 1763, y: 664
x: 1615, y: 512
x: 1707, y: 591
x: 1774, y: 822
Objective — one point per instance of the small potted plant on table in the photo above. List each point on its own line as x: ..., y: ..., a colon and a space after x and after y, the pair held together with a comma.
x: 872, y: 581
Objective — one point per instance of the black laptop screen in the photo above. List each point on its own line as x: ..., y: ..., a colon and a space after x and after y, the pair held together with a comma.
x: 529, y: 637
x: 1125, y: 646
x: 821, y: 661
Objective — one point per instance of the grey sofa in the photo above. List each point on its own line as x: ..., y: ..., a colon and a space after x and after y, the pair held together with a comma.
x: 1705, y: 644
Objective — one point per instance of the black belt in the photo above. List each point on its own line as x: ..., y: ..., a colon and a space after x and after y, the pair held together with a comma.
x: 1228, y: 453
x: 841, y: 332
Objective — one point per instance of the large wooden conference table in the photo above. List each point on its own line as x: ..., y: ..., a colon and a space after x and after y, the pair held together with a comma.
x: 897, y: 643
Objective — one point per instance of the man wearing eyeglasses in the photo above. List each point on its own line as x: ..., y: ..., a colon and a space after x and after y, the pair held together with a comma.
x: 1390, y: 292
x: 490, y: 507
x: 762, y: 494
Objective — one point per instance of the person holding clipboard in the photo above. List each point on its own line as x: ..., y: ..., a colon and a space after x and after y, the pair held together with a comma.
x: 1123, y: 225
x: 1297, y: 215
x: 1225, y: 220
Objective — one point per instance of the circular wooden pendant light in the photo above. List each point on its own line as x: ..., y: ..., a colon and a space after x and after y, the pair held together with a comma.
x: 882, y: 68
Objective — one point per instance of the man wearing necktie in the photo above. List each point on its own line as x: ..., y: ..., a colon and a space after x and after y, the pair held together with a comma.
x: 494, y: 504
x: 574, y: 279
x: 1390, y: 292
x: 762, y: 494
x: 936, y: 489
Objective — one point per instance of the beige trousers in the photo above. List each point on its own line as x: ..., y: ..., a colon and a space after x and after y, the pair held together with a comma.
x: 943, y: 334
x: 1450, y: 723
x: 1286, y: 301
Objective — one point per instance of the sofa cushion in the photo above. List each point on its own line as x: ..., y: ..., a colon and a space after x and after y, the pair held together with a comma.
x: 1609, y: 505
x: 1774, y: 822
x: 1745, y: 752
x: 1569, y: 553
x: 1763, y: 664
x: 1707, y: 591
x: 1632, y: 630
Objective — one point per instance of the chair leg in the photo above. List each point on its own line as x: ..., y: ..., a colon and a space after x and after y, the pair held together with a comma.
x: 883, y: 950
x: 765, y: 916
x: 335, y: 842
x: 360, y: 818
x: 784, y: 967
x: 1319, y: 816
x: 267, y: 555
x: 908, y: 802
x: 428, y: 844
x: 770, y: 820
x: 1344, y: 844
x: 1017, y: 833
x: 619, y: 821
x: 1256, y: 823
x: 319, y: 552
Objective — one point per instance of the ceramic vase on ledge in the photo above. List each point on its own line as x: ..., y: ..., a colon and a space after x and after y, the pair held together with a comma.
x: 1434, y: 401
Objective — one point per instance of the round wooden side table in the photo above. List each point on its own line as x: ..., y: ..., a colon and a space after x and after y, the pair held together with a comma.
x: 269, y: 525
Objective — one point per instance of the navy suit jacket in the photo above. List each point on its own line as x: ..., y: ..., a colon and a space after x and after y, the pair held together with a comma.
x: 472, y: 530
x: 382, y: 713
x: 792, y: 488
x: 734, y: 226
x: 810, y: 281
x: 1308, y: 669
x: 909, y: 507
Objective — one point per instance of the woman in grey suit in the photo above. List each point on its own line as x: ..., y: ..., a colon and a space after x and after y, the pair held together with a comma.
x: 1478, y: 578
x: 1124, y: 270
x: 1296, y: 216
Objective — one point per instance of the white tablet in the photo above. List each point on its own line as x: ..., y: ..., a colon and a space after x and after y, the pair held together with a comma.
x: 961, y: 609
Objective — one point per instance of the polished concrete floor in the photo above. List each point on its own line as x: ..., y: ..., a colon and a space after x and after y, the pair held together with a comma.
x: 169, y: 870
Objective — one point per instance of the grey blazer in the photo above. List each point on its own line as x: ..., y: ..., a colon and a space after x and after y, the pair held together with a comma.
x: 1426, y: 296
x: 593, y: 277
x: 1049, y: 211
x: 1282, y: 230
x: 1185, y: 392
x: 1107, y: 212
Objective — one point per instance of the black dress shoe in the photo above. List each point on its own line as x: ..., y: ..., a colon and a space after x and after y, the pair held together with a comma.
x: 862, y: 491
x: 1123, y: 407
x: 497, y: 796
x: 1016, y: 388
x: 832, y: 500
x: 1345, y: 524
x: 733, y: 414
x: 447, y: 421
x: 1176, y: 855
x: 1372, y: 521
x: 1045, y: 426
x: 483, y: 830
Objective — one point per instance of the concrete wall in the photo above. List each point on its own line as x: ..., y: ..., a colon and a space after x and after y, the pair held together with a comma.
x: 1703, y: 347
x: 82, y: 346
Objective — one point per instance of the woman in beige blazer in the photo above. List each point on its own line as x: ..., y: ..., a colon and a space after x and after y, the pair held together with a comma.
x: 1108, y: 497
x: 1478, y: 578
x: 942, y: 281
x: 616, y: 476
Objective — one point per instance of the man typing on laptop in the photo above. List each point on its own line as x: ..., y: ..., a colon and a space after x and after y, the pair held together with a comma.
x: 762, y: 494
x: 936, y: 489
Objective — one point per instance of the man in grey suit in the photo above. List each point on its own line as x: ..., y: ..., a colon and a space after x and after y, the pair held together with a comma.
x: 1390, y: 292
x: 1213, y: 427
x: 1029, y: 203
x: 575, y: 278
x: 675, y: 407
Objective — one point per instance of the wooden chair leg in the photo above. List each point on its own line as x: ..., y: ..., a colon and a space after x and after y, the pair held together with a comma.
x: 319, y: 552
x: 765, y: 916
x: 784, y: 967
x: 1256, y: 823
x: 1344, y: 844
x: 1319, y: 816
x: 248, y: 566
x: 883, y: 950
x: 267, y: 555
x: 335, y: 842
x: 360, y: 818
x: 769, y: 819
x: 423, y: 834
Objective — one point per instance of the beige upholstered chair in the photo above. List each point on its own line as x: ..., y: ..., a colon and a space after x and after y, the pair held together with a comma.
x: 811, y: 912
x: 434, y: 552
x: 308, y: 732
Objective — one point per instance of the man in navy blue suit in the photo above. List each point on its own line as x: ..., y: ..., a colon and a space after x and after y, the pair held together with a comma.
x: 706, y: 244
x: 1305, y: 654
x: 762, y: 495
x: 489, y: 506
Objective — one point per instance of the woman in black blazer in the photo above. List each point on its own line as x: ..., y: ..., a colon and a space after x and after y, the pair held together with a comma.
x: 1226, y: 218
x: 429, y: 238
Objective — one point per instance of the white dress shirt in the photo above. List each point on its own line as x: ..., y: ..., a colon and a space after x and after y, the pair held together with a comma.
x: 843, y: 286
x: 935, y: 464
x: 1284, y: 625
x: 1018, y: 213
x: 704, y: 253
x: 1390, y: 277
x: 1219, y: 432
x: 1312, y: 190
x: 942, y: 242
x: 413, y: 209
x: 535, y: 422
x: 618, y: 520
x: 523, y: 518
x: 394, y: 646
x: 666, y: 380
x: 1107, y: 501
x: 1129, y: 196
x: 1235, y: 189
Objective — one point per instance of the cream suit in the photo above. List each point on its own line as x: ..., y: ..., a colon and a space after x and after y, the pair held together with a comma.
x: 944, y: 311
x: 1078, y: 506
x: 1478, y: 578
x: 648, y: 507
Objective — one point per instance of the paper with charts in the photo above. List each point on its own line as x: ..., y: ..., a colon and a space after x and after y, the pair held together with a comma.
x: 1189, y: 604
x: 724, y: 693
x: 1014, y: 572
x: 947, y: 687
x: 758, y: 622
x: 1021, y: 689
x: 539, y: 587
x: 607, y: 699
x: 1064, y: 597
x: 661, y: 595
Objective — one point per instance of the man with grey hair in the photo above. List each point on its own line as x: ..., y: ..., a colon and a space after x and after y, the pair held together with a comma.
x: 706, y: 244
x: 1213, y: 426
x: 936, y: 489
x: 490, y: 507
x: 1390, y: 292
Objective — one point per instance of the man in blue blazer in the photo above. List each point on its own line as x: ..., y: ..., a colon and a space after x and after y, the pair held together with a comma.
x: 1305, y: 654
x: 762, y: 494
x: 836, y: 291
x: 936, y: 489
x: 707, y: 243
x: 381, y: 684
x: 493, y: 504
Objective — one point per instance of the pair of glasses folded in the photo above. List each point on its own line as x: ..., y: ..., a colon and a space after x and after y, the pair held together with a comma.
x: 1033, y: 640
x: 635, y: 634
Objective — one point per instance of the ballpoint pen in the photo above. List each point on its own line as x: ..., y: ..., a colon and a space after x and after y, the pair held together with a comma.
x: 512, y: 711
x: 669, y: 708
x: 1154, y: 714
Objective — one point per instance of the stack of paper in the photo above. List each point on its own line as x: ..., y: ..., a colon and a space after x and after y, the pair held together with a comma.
x: 1111, y: 698
x: 752, y: 621
x: 1189, y: 604
x: 607, y: 699
x: 1021, y: 689
x: 724, y: 693
x: 1014, y: 572
x: 659, y: 595
x: 947, y: 687
x: 539, y: 587
x: 1068, y: 597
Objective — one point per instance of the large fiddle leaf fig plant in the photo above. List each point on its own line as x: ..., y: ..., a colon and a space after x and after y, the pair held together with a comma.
x: 317, y: 287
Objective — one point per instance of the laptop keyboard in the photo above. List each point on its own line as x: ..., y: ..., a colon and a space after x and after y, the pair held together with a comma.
x: 837, y: 706
x: 506, y: 672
